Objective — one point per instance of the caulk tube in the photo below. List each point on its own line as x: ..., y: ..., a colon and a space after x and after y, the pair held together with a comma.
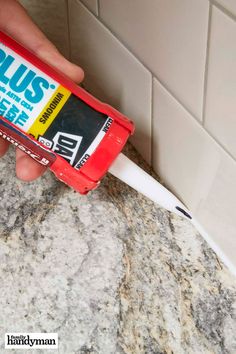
x: 42, y: 110
x: 127, y: 171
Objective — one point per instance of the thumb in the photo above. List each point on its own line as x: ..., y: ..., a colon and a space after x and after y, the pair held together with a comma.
x: 49, y: 53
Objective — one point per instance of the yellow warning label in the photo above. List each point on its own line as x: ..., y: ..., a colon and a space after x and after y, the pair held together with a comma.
x: 49, y: 112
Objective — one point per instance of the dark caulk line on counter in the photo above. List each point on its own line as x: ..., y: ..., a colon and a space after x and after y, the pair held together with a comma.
x: 184, y: 212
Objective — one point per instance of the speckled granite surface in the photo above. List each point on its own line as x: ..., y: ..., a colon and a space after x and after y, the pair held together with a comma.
x: 110, y: 272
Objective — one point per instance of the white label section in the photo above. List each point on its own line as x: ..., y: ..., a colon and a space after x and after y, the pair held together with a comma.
x: 95, y: 143
x: 67, y: 145
x: 31, y: 341
x: 24, y: 89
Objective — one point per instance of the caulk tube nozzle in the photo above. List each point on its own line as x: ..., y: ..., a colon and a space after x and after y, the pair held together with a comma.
x: 127, y: 171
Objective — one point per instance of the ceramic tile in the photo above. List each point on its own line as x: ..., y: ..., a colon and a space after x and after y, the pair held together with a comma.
x: 112, y: 73
x: 182, y: 150
x: 170, y: 38
x: 196, y: 168
x: 51, y: 17
x: 221, y: 90
x: 217, y: 211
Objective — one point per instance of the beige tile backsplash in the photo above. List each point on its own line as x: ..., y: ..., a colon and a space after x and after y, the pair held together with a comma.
x: 220, y: 117
x: 170, y: 65
x: 170, y: 37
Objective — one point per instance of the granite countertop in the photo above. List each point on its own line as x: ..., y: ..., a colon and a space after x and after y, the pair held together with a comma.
x: 110, y: 272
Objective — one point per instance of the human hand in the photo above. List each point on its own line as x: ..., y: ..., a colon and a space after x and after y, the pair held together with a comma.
x: 15, y: 21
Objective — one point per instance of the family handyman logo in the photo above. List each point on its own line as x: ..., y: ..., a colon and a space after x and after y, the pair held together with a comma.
x: 31, y: 340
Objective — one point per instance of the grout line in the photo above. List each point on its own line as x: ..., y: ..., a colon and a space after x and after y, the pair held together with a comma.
x: 98, y: 8
x: 152, y: 122
x: 199, y: 123
x: 163, y: 84
x: 223, y: 9
x: 220, y: 144
x: 68, y: 28
x: 206, y: 66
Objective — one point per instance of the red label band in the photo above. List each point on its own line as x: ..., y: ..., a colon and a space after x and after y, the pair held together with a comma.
x: 26, y: 144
